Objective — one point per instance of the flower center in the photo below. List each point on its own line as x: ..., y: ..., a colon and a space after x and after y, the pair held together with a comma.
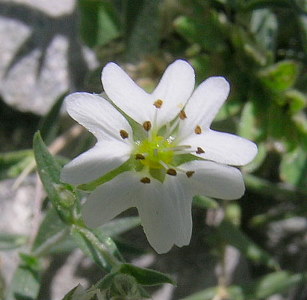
x: 155, y: 152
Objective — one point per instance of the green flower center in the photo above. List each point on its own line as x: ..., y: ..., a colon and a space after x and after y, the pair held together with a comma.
x: 155, y: 152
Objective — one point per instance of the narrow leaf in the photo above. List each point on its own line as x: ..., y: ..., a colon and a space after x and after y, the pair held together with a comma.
x: 145, y: 276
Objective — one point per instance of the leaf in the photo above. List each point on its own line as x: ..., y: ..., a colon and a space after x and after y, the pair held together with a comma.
x: 293, y: 168
x: 79, y: 293
x: 145, y: 276
x: 51, y: 232
x: 26, y: 280
x: 205, y: 202
x: 235, y: 237
x: 9, y: 241
x: 264, y: 26
x: 281, y: 76
x: 48, y: 124
x: 13, y: 163
x: 248, y: 126
x: 99, y: 22
x: 206, y: 32
x: 62, y: 197
x: 99, y: 247
x: 259, y: 4
x: 266, y: 286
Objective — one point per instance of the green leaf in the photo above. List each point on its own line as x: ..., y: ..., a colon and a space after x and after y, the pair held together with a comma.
x: 99, y: 247
x: 9, y: 241
x: 13, y: 163
x: 50, y: 233
x: 264, y: 26
x: 205, y: 202
x: 293, y: 168
x: 26, y: 280
x: 48, y: 125
x: 206, y: 32
x: 142, y: 28
x: 63, y: 199
x: 145, y: 276
x: 99, y: 22
x: 79, y: 293
x: 259, y: 4
x: 235, y: 237
x: 248, y: 126
x: 296, y: 100
x: 281, y: 76
x: 266, y: 286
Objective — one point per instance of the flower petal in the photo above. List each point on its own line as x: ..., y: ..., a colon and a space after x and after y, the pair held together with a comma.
x: 204, y: 104
x: 96, y: 162
x: 165, y: 211
x: 126, y: 94
x: 215, y: 180
x: 222, y: 147
x: 174, y: 89
x: 97, y: 115
x: 110, y: 199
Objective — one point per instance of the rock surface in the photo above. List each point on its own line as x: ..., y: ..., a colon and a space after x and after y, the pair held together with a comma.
x: 41, y: 56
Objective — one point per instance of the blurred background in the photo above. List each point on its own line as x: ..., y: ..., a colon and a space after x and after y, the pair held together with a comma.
x: 49, y: 49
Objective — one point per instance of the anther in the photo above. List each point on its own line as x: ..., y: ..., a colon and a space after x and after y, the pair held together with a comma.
x: 123, y: 134
x: 145, y: 180
x: 158, y: 103
x: 200, y: 150
x: 147, y: 125
x: 197, y: 129
x: 189, y: 173
x: 171, y: 172
x: 182, y: 115
x: 139, y: 156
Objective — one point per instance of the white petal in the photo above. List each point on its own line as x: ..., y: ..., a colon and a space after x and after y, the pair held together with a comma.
x: 96, y: 162
x: 223, y: 147
x: 204, y: 104
x: 110, y: 199
x: 97, y: 115
x: 165, y: 211
x: 126, y: 94
x: 174, y: 89
x: 215, y: 180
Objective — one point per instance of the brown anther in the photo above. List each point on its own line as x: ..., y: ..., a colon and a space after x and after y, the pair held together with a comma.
x: 124, y: 134
x: 197, y: 129
x: 145, y: 180
x: 189, y: 173
x: 147, y: 125
x: 200, y: 150
x: 158, y: 103
x: 139, y: 156
x: 182, y: 115
x: 171, y: 172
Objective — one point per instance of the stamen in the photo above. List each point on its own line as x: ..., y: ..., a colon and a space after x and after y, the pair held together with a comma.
x: 200, y: 150
x: 182, y: 115
x: 171, y: 172
x: 147, y: 125
x: 197, y: 129
x: 158, y: 103
x: 189, y: 173
x: 139, y: 156
x: 124, y: 134
x: 145, y: 180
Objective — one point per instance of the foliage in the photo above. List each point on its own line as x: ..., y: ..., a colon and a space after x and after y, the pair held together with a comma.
x: 260, y: 46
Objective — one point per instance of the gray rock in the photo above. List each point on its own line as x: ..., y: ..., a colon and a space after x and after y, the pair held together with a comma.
x: 41, y: 56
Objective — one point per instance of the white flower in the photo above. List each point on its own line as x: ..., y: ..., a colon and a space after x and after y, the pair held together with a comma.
x: 175, y: 157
